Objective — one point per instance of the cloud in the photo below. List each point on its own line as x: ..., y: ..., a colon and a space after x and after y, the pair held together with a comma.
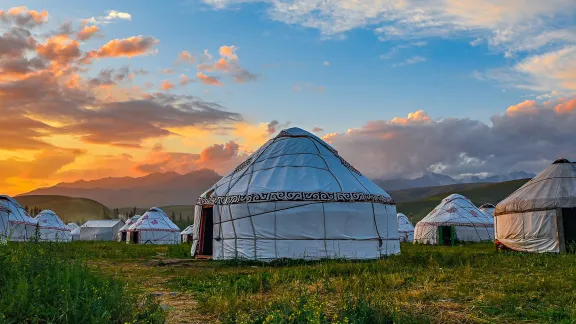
x: 228, y: 64
x: 396, y: 49
x: 317, y: 130
x: 527, y: 137
x: 87, y: 32
x: 127, y: 47
x: 59, y: 49
x: 14, y: 42
x: 209, y: 80
x: 326, y: 63
x: 184, y: 80
x: 167, y: 85
x: 228, y: 52
x: 109, y: 77
x: 410, y: 60
x: 23, y: 17
x: 112, y: 16
x: 307, y: 86
x: 186, y: 57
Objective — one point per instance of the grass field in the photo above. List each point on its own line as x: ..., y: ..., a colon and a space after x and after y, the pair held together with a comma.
x: 471, y: 283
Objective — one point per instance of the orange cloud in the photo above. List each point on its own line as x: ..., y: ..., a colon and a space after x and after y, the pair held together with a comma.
x: 228, y: 52
x: 566, y: 107
x: 206, y: 79
x: 24, y: 17
x: 185, y: 56
x: 128, y: 47
x: 87, y: 32
x: 60, y: 49
x: 184, y: 80
x: 527, y: 106
x: 167, y: 85
x: 419, y: 116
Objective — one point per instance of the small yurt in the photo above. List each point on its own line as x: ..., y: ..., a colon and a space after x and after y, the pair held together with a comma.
x: 541, y: 215
x: 4, y: 223
x: 295, y: 197
x: 186, y: 234
x: 123, y: 232
x: 488, y: 209
x: 74, y: 231
x: 154, y: 227
x: 21, y: 227
x: 405, y: 228
x: 52, y: 228
x: 454, y: 219
x: 101, y: 230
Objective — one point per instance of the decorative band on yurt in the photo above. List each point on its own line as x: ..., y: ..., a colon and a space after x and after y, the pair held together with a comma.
x: 296, y: 196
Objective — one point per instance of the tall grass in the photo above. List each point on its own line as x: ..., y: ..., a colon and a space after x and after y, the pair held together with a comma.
x: 470, y: 283
x: 46, y: 283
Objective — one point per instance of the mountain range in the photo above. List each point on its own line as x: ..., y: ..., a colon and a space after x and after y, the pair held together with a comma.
x: 171, y: 188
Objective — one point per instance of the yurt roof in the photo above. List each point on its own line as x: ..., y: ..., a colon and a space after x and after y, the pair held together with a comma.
x: 457, y: 210
x: 129, y: 222
x: 17, y: 214
x: 487, y: 206
x: 74, y: 228
x: 49, y: 219
x: 102, y: 223
x: 188, y: 230
x: 155, y: 219
x: 294, y: 166
x: 555, y: 187
x: 404, y: 224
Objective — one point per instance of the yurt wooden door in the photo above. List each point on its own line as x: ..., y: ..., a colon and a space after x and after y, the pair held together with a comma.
x: 569, y: 229
x: 206, y: 232
x: 446, y: 235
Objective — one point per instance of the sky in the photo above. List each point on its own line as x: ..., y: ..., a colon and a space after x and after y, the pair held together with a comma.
x: 398, y: 87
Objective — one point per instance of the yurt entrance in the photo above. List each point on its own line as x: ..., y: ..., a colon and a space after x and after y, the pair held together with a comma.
x: 569, y: 229
x: 135, y: 236
x: 123, y: 236
x: 206, y: 232
x: 446, y: 235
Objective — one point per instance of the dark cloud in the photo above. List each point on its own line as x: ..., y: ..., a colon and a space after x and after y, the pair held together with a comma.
x: 244, y: 76
x: 109, y: 77
x: 275, y: 126
x: 15, y: 42
x: 317, y: 130
x: 220, y: 152
x: 525, y: 140
x: 23, y: 17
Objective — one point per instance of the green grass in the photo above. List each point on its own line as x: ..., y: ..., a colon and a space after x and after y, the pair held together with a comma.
x: 46, y: 283
x: 488, y: 193
x: 69, y: 209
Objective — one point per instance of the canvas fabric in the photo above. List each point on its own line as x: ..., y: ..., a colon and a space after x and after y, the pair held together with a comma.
x: 527, y: 219
x: 295, y: 197
x: 20, y: 226
x: 52, y: 229
x: 405, y: 228
x: 470, y: 224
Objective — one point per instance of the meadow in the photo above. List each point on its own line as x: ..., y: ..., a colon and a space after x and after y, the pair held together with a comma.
x: 470, y: 283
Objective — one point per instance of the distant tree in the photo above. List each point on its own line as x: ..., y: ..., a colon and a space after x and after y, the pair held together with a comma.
x: 26, y: 209
x: 180, y: 217
x: 173, y: 217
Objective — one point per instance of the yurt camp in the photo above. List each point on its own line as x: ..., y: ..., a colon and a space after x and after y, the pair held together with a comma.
x: 123, y: 232
x: 186, y: 234
x: 454, y: 219
x: 488, y: 209
x: 52, y: 229
x: 101, y: 230
x: 21, y: 227
x: 405, y: 228
x: 154, y: 227
x: 295, y: 197
x: 74, y: 231
x: 541, y: 215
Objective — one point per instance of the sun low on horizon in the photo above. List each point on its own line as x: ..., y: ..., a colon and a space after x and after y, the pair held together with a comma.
x: 399, y: 88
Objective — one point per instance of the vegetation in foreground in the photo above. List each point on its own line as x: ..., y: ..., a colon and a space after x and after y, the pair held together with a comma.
x: 471, y: 283
x: 47, y: 283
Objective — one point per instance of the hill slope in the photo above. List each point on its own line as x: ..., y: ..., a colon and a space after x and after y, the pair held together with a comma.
x: 69, y: 209
x: 157, y: 189
x: 487, y: 193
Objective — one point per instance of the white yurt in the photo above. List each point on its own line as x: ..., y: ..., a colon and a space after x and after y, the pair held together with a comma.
x: 186, y: 234
x: 21, y: 227
x: 74, y: 231
x: 454, y: 219
x: 154, y: 227
x: 4, y: 223
x: 123, y: 232
x: 52, y: 228
x: 541, y: 215
x: 405, y: 228
x: 295, y: 197
x: 488, y: 209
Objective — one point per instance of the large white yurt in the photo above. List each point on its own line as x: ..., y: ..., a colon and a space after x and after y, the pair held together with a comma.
x: 123, y: 232
x: 21, y: 227
x: 74, y: 231
x: 405, y: 228
x: 187, y: 233
x: 154, y: 227
x: 295, y: 197
x: 52, y: 228
x: 454, y: 219
x: 488, y: 209
x: 541, y: 215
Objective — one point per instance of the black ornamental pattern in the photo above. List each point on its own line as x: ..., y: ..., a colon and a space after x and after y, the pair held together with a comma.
x: 296, y: 196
